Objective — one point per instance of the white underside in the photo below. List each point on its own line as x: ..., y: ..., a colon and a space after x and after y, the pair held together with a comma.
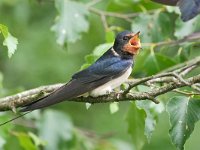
x: 109, y: 86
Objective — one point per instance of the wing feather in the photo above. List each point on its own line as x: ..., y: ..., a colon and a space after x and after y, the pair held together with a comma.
x: 84, y: 81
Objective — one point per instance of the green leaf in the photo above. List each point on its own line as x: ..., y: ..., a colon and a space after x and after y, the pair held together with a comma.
x: 54, y: 127
x: 184, y: 113
x: 71, y: 21
x: 152, y: 111
x: 118, y: 5
x: 37, y: 141
x: 84, y: 66
x: 11, y: 43
x: 102, y: 48
x: 173, y: 10
x: 88, y: 105
x: 151, y: 24
x: 4, y: 30
x: 131, y: 5
x: 25, y: 141
x: 4, y: 129
x: 114, y: 107
x: 1, y: 80
x: 90, y: 58
x: 149, y: 62
x: 2, y: 142
x: 146, y: 63
x: 110, y: 35
x: 184, y: 28
x: 98, y: 51
x: 141, y: 23
x: 136, y: 121
x: 164, y: 61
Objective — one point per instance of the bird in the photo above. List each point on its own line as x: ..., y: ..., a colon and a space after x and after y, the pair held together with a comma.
x: 108, y: 72
x: 189, y: 8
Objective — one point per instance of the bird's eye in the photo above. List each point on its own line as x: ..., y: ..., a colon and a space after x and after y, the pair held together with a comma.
x: 125, y: 38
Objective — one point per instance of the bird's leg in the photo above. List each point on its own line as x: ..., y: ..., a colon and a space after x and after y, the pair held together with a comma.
x: 120, y: 92
x: 117, y: 92
x: 109, y: 91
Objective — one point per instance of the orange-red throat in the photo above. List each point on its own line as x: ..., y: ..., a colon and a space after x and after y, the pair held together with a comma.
x: 133, y: 44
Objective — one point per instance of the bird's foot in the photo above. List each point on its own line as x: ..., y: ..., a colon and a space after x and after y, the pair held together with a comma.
x: 117, y: 94
x: 109, y: 91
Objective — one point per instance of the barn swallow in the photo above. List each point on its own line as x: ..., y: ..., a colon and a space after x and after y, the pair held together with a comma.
x: 107, y: 73
x: 189, y: 8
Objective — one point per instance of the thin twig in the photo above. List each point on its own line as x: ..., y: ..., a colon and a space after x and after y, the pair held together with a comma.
x: 186, y: 93
x: 104, y: 21
x: 188, y: 70
x: 92, y: 3
x: 182, y: 66
x: 190, y: 38
x: 111, y: 14
x: 196, y: 88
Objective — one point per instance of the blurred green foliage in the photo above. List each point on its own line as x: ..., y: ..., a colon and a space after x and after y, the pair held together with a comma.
x: 78, y: 39
x: 10, y: 41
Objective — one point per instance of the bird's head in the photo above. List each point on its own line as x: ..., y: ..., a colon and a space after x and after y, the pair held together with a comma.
x: 127, y: 42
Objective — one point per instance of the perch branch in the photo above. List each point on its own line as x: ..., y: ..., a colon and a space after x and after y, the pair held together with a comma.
x: 175, y: 80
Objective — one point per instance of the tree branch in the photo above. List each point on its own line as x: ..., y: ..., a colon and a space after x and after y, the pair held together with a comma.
x: 103, y: 14
x: 175, y: 80
x: 193, y: 37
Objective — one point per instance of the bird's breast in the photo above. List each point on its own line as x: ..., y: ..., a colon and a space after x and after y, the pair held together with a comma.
x: 109, y: 86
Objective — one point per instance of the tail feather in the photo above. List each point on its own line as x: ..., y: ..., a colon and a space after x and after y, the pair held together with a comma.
x: 73, y: 89
x: 41, y: 103
x: 63, y: 93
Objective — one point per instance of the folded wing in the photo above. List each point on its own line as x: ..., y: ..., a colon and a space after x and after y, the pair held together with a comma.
x: 84, y: 81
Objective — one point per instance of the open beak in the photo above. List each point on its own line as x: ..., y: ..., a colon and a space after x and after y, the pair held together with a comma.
x: 133, y: 46
x: 135, y: 41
